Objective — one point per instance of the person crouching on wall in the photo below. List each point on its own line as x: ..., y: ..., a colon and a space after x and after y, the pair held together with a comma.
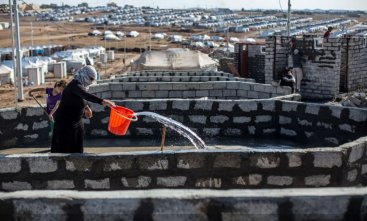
x: 287, y: 79
x: 69, y: 129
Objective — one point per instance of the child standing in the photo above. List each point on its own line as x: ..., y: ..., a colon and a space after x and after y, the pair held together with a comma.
x: 53, y: 98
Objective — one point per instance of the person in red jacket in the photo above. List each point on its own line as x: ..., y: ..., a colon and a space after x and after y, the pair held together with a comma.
x: 328, y: 32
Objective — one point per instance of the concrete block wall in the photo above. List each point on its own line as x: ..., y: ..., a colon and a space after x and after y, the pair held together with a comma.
x: 356, y: 161
x: 314, y: 123
x: 212, y: 89
x: 256, y: 63
x: 318, y: 204
x: 175, y: 79
x: 195, y: 169
x: 321, y: 69
x: 276, y: 57
x: 23, y: 126
x: 357, y: 65
x: 339, y: 66
x: 177, y: 74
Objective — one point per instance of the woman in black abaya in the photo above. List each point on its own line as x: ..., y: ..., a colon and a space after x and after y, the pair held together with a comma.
x: 69, y: 129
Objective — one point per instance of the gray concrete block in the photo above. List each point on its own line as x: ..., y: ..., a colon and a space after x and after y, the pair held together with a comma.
x: 133, y: 105
x: 253, y: 94
x: 356, y: 152
x: 248, y: 106
x: 211, y: 132
x: 250, y: 180
x: 41, y: 165
x: 312, y: 109
x: 15, y: 185
x: 10, y: 165
x: 133, y: 94
x: 153, y: 163
x: 34, y: 111
x: 284, y: 120
x: 161, y: 94
x: 147, y: 94
x: 287, y: 132
x: 181, y: 104
x: 312, y: 208
x: 21, y: 126
x: 78, y: 164
x: 202, y: 93
x: 219, y: 119
x: 263, y: 118
x: 280, y: 180
x: 175, y: 94
x: 209, y: 183
x: 233, y: 85
x: 129, y: 86
x: 327, y: 159
x: 97, y: 184
x: 200, y: 119
x: 294, y: 160
x: 268, y: 161
x: 136, y: 182
x: 40, y: 125
x: 207, y: 86
x: 60, y: 184
x: 203, y: 105
x: 227, y: 161
x: 116, y: 86
x: 188, y: 94
x: 117, y: 164
x: 289, y: 106
x: 157, y: 105
x: 215, y: 93
x: 357, y: 115
x: 171, y: 181
x: 220, y: 85
x: 229, y: 93
x: 144, y: 131
x: 317, y: 180
x: 241, y: 120
x: 268, y: 105
x: 232, y: 132
x: 165, y: 86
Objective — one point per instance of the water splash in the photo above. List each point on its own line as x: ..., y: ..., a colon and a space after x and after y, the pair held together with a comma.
x: 176, y: 126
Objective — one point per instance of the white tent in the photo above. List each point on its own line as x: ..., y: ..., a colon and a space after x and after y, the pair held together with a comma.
x: 6, y: 75
x: 110, y: 37
x: 133, y: 34
x: 174, y: 59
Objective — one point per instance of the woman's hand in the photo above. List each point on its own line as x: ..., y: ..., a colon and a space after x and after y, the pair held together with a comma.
x: 88, y: 112
x: 108, y: 103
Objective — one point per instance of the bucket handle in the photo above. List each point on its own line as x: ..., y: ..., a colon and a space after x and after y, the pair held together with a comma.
x: 133, y: 118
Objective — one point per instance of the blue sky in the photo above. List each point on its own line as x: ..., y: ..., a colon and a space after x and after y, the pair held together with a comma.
x: 233, y: 4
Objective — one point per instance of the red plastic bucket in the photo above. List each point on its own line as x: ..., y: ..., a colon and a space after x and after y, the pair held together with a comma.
x: 120, y: 119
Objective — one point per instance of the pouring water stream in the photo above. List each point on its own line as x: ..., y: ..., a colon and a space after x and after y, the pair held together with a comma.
x: 176, y: 126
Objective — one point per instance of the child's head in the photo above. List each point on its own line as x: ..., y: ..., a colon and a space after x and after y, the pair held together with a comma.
x: 59, y: 86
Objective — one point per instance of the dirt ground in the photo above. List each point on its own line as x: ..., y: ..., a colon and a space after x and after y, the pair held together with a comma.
x: 76, y: 34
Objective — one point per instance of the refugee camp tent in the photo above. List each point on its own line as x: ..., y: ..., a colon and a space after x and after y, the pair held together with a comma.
x: 6, y: 75
x: 174, y: 59
x: 133, y: 34
x: 110, y: 37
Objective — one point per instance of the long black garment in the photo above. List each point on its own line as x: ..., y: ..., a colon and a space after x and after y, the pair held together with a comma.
x: 68, y: 131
